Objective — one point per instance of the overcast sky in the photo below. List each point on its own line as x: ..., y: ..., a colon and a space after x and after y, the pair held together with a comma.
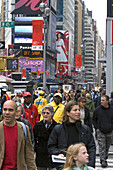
x: 99, y: 12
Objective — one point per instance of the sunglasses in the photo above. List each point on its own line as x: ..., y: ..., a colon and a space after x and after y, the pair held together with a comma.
x: 46, y: 113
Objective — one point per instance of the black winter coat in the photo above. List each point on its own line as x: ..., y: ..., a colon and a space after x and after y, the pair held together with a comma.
x: 87, y: 119
x: 103, y: 119
x: 41, y: 136
x: 57, y: 143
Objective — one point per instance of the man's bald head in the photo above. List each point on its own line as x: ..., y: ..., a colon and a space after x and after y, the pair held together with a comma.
x: 9, y: 112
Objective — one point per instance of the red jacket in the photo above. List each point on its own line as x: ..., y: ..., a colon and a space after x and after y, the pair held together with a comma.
x: 31, y: 114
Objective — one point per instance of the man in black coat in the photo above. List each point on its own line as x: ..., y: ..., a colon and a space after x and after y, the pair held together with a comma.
x: 103, y: 123
x: 71, y: 131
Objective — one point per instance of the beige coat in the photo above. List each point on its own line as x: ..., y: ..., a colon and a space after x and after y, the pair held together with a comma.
x: 25, y: 154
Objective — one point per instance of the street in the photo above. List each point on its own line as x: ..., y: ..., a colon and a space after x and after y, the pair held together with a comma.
x: 110, y: 160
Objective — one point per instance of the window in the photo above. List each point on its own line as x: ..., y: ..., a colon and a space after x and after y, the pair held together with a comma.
x: 60, y: 7
x: 59, y: 27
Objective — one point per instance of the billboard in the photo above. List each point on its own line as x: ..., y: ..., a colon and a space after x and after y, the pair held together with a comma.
x: 28, y: 6
x: 24, y: 31
x: 78, y: 61
x: 62, y: 47
x: 37, y: 35
x: 52, y: 32
x: 31, y: 63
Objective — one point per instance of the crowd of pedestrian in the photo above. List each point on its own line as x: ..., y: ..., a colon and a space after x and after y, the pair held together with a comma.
x: 35, y: 127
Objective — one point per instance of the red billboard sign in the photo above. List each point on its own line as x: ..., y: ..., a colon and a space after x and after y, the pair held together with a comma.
x: 37, y: 35
x: 78, y: 60
x: 24, y: 73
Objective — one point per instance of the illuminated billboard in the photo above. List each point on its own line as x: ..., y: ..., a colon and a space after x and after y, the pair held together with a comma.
x: 28, y: 6
x: 24, y: 31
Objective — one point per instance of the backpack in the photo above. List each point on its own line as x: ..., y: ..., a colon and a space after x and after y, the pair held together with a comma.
x: 24, y: 128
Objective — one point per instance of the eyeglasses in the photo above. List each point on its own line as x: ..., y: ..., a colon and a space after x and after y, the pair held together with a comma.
x: 46, y: 113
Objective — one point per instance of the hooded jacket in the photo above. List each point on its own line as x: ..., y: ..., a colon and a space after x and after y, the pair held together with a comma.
x: 90, y: 105
x: 31, y: 114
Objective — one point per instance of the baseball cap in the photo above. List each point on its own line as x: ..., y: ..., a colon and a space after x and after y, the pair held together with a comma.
x: 26, y: 94
x: 41, y: 92
x: 58, y: 94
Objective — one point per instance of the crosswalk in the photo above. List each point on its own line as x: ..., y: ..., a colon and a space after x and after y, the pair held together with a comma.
x: 109, y: 161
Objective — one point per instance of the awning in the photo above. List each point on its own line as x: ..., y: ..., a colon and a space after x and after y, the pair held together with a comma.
x: 3, y: 86
x: 4, y: 79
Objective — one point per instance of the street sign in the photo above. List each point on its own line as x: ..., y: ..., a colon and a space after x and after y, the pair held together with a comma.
x: 2, y: 44
x: 7, y: 23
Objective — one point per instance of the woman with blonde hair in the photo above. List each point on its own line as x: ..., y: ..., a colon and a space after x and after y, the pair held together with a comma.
x: 77, y: 158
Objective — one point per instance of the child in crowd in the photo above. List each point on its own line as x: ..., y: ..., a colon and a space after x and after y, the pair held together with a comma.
x: 77, y: 158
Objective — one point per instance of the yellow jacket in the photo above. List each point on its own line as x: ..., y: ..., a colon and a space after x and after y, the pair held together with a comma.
x: 40, y: 102
x: 58, y: 113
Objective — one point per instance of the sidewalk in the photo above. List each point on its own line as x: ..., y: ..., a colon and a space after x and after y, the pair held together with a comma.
x: 97, y: 147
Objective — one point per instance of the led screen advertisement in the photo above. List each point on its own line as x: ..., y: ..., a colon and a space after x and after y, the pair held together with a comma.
x: 28, y: 6
x: 31, y: 63
x: 62, y: 47
x: 24, y: 31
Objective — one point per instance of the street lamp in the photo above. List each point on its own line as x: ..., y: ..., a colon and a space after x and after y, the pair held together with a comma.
x: 36, y: 66
x: 82, y: 46
x: 46, y: 11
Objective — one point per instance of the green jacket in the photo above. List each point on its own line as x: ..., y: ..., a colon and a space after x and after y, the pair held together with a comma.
x: 90, y: 106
